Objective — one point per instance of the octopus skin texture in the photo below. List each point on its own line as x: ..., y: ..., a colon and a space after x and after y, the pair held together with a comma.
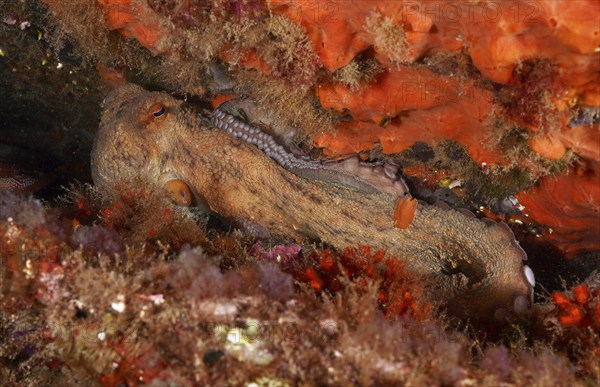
x: 474, y: 267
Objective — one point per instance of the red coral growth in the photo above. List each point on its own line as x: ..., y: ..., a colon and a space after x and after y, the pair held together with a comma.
x: 582, y: 311
x: 399, y: 292
x: 530, y: 47
x: 579, y: 318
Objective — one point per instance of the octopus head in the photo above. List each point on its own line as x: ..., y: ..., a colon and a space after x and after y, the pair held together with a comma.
x: 134, y: 129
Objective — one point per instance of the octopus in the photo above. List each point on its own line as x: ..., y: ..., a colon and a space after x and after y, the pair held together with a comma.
x: 231, y: 165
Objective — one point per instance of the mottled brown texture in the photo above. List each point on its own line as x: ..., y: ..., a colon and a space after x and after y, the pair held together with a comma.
x: 475, y: 267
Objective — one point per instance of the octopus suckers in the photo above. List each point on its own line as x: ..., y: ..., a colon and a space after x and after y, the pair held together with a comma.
x: 529, y: 275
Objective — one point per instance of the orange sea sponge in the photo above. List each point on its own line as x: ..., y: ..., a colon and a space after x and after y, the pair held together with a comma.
x: 570, y: 205
x: 497, y: 34
x: 135, y: 20
x: 464, y: 119
x: 339, y: 32
x: 332, y: 28
x: 583, y: 140
x: 404, y: 88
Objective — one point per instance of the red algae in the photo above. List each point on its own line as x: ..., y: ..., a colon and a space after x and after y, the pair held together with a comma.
x: 399, y: 293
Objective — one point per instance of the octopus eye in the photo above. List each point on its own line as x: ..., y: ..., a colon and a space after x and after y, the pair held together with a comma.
x: 157, y: 111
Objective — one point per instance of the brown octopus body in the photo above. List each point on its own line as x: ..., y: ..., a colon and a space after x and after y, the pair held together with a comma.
x: 474, y: 267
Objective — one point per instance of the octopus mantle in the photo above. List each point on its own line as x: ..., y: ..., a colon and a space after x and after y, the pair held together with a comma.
x: 475, y: 267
